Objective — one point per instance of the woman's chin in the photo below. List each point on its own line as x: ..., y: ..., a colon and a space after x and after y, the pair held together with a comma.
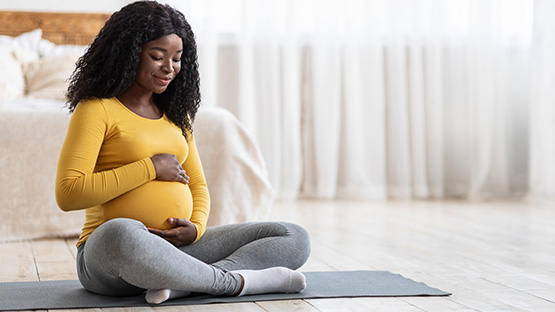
x: 159, y: 91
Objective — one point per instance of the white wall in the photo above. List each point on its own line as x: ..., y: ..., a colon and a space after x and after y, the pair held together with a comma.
x: 93, y: 6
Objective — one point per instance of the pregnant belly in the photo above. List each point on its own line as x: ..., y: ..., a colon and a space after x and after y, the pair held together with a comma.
x: 152, y: 204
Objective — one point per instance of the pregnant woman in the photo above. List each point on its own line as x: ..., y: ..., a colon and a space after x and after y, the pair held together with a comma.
x: 130, y: 160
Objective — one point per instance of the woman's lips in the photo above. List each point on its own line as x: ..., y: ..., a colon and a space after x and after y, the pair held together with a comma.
x: 164, y: 80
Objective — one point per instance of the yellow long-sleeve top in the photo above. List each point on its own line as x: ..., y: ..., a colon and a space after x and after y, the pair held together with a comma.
x: 105, y: 168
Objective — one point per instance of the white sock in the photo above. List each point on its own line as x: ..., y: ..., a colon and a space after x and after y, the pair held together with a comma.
x: 272, y: 280
x: 156, y: 296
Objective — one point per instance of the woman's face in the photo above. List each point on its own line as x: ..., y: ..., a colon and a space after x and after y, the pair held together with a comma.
x: 159, y: 63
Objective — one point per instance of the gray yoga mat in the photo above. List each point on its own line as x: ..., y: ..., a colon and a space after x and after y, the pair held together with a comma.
x: 337, y: 284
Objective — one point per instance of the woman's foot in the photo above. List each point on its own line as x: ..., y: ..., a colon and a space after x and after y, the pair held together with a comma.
x: 272, y: 280
x: 158, y: 296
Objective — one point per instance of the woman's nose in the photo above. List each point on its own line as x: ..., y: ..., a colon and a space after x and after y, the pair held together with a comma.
x: 167, y: 66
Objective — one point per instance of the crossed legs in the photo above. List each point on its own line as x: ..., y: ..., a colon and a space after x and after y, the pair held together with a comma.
x: 122, y: 258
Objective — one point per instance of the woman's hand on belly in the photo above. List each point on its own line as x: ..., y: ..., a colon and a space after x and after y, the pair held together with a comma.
x: 184, y: 232
x: 168, y: 168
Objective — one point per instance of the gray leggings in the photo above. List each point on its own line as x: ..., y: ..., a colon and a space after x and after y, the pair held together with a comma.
x: 121, y: 258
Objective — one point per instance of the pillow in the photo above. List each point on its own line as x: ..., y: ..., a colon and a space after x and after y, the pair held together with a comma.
x: 48, y: 77
x: 25, y: 56
x: 48, y: 48
x: 12, y: 83
x: 28, y: 41
x: 13, y: 52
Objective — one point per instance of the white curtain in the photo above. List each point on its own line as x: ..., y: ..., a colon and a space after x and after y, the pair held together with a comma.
x: 373, y: 99
x: 542, y: 112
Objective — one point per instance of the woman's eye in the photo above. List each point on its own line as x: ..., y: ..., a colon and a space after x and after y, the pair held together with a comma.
x: 177, y: 60
x: 156, y: 58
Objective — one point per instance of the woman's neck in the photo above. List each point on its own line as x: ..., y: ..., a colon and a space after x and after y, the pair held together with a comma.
x: 140, y: 102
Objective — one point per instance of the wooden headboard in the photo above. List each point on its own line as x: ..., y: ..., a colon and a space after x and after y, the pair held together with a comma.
x: 60, y: 28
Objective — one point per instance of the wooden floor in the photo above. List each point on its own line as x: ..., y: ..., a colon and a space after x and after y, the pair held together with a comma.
x: 497, y: 256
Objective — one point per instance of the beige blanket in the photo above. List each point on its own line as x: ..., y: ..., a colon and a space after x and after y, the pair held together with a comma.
x: 30, y: 142
x: 234, y: 167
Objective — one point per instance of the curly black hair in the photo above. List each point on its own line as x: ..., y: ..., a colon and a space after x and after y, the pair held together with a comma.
x: 109, y: 66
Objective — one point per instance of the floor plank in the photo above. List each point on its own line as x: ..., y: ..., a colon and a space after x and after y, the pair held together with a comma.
x: 17, y: 263
x: 235, y: 307
x: 71, y: 245
x: 54, y: 260
x: 287, y: 306
x: 363, y: 305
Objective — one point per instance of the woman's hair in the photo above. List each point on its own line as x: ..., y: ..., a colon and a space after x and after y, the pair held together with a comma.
x: 109, y: 66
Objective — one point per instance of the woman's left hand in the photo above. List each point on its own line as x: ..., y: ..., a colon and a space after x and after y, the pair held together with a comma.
x: 184, y: 232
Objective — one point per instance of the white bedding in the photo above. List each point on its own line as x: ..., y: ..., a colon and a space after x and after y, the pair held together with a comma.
x: 26, y: 103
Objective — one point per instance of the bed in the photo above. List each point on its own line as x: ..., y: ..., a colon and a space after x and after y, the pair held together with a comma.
x: 37, y: 54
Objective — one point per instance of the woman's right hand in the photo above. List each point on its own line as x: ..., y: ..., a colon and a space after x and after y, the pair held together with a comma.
x: 168, y: 168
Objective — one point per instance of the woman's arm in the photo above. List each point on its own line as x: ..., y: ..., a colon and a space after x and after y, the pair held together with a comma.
x: 77, y: 186
x: 199, y: 188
